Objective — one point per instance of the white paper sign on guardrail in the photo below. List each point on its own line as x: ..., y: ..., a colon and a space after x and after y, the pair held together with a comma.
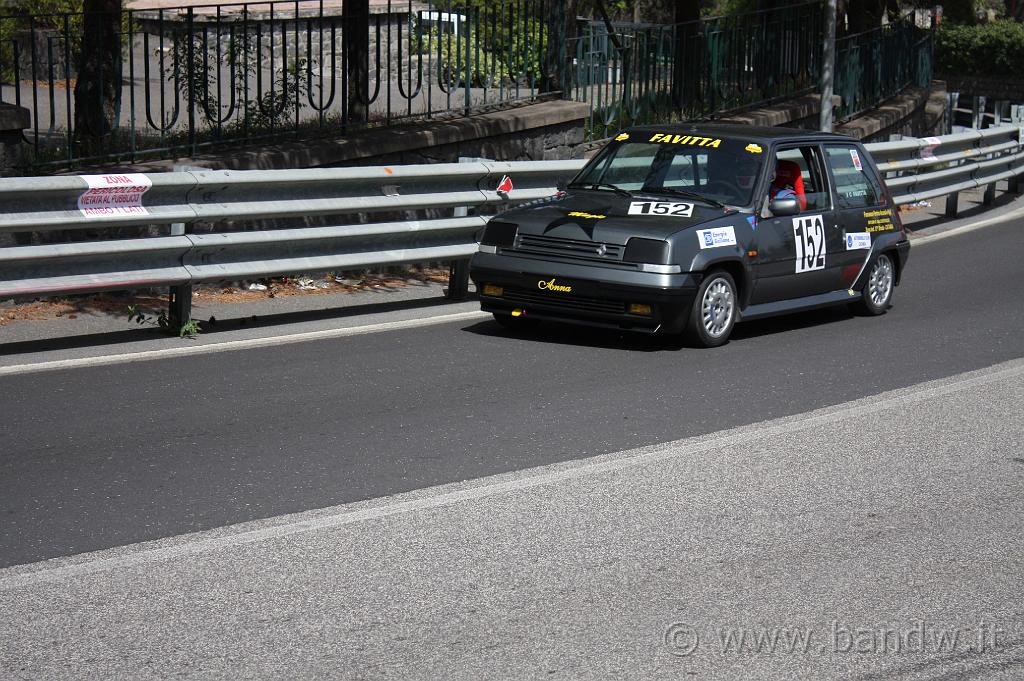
x: 109, y: 195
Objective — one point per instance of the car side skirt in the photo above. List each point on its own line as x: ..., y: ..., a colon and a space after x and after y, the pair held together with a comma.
x: 762, y: 310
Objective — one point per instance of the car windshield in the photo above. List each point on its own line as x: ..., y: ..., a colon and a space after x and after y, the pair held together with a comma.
x: 722, y: 170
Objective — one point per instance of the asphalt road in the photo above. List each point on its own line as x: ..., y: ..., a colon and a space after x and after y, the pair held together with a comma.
x: 879, y: 539
x: 902, y: 507
x: 106, y: 456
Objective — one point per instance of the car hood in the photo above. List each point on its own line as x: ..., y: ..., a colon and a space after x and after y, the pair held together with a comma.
x: 603, y: 216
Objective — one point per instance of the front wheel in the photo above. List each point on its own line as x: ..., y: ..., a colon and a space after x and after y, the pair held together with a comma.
x: 714, y: 311
x: 876, y: 297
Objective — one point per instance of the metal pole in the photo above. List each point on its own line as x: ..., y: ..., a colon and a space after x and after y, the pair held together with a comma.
x: 458, y: 270
x: 828, y: 67
x: 179, y: 307
x: 952, y: 204
x: 990, y: 194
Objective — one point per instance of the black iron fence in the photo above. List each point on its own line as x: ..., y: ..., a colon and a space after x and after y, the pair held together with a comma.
x: 174, y: 81
x: 192, y: 77
x: 638, y: 74
x: 647, y: 74
x: 876, y: 64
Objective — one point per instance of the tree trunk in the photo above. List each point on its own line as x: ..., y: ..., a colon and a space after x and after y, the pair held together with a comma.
x: 98, y: 89
x: 356, y: 36
x: 560, y: 19
x: 686, y: 71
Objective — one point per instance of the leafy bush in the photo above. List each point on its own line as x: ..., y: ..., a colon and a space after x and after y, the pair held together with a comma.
x: 506, y: 43
x: 18, y: 18
x: 995, y: 49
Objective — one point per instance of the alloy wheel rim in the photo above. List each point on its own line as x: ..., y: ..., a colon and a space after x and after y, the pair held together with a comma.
x: 880, y: 281
x: 717, y: 308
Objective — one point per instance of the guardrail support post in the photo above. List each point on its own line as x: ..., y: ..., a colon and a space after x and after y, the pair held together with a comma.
x: 978, y: 113
x: 1013, y: 185
x: 179, y: 308
x: 990, y: 194
x: 458, y: 280
x: 952, y: 204
x: 458, y: 271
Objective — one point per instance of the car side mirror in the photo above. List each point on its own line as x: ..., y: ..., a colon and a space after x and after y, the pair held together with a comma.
x: 561, y: 185
x: 780, y: 207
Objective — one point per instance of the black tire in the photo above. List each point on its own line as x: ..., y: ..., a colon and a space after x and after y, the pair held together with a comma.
x: 716, y: 295
x: 876, y: 297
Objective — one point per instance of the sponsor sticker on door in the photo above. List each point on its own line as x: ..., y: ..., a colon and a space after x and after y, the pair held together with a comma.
x: 113, y: 195
x: 715, y: 237
x: 856, y: 241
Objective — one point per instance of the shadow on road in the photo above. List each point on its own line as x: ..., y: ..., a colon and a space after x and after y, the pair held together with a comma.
x: 213, y: 327
x: 582, y: 336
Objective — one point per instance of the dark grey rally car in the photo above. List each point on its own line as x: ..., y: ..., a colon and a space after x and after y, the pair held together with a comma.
x: 690, y: 229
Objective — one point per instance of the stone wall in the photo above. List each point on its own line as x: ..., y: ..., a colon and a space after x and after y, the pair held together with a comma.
x: 546, y: 130
x: 13, y: 121
x: 993, y: 88
x: 915, y: 112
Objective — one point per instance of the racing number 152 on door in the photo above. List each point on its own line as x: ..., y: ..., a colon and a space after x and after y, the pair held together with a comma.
x: 809, y: 233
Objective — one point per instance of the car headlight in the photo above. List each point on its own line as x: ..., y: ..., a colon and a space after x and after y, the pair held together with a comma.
x: 654, y: 251
x: 501, y: 234
x: 651, y: 254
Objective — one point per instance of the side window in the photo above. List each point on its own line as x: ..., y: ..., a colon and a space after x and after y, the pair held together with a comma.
x: 856, y: 185
x: 799, y: 172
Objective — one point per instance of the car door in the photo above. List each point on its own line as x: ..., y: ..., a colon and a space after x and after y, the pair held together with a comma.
x: 796, y: 253
x: 859, y: 206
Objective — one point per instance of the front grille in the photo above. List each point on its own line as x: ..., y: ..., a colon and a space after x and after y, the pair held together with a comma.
x: 587, y: 250
x: 567, y: 301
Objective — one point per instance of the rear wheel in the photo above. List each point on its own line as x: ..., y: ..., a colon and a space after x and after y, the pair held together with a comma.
x: 876, y: 297
x: 714, y: 311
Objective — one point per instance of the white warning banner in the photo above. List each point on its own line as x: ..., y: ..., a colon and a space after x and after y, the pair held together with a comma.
x: 112, y: 195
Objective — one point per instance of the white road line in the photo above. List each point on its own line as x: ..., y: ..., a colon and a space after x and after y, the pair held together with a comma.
x: 226, y: 346
x: 432, y: 498
x: 966, y: 229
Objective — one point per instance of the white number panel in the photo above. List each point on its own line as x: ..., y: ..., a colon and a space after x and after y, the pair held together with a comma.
x: 683, y: 210
x: 809, y: 233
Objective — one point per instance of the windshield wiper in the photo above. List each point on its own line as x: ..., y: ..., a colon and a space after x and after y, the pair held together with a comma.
x: 601, y: 185
x: 684, y: 192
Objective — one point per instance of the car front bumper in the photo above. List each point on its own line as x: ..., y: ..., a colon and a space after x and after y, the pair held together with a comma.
x: 596, y: 296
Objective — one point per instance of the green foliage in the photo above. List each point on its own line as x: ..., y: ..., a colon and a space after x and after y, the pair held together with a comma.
x: 502, y: 47
x: 195, y: 61
x: 19, y: 18
x: 958, y: 11
x: 995, y: 49
x: 167, y: 324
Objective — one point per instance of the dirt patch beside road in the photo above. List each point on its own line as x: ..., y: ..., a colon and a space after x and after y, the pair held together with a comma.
x: 116, y: 303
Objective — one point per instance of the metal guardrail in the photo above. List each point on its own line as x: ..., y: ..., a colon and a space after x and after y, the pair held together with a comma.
x: 926, y: 168
x: 229, y: 199
x: 223, y: 201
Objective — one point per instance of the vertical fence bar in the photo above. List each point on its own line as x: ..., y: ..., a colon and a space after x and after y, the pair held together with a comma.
x: 190, y: 73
